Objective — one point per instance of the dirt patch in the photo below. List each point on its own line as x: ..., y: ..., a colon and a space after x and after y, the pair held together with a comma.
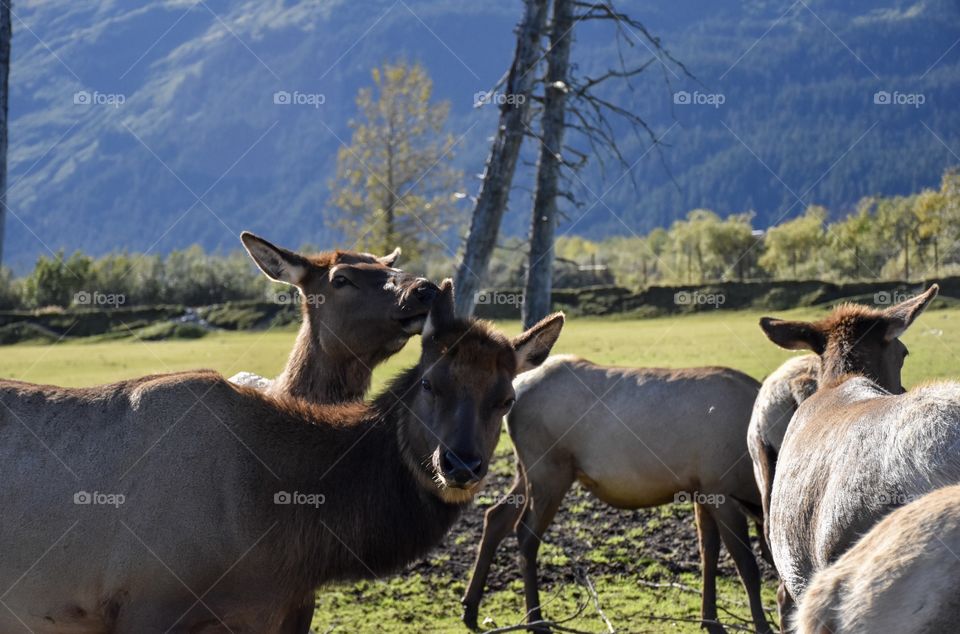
x: 599, y: 538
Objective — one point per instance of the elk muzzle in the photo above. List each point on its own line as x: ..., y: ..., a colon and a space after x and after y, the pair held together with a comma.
x: 416, y: 297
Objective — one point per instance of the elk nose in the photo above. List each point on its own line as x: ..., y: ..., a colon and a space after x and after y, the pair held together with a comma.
x: 462, y: 469
x: 426, y: 291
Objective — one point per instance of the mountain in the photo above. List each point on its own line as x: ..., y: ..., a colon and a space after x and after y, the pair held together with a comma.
x: 151, y: 126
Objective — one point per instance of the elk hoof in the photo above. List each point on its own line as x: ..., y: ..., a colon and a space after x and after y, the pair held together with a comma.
x: 469, y: 617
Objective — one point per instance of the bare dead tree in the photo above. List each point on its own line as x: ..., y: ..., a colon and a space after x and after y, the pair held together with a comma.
x: 590, y: 120
x: 6, y: 32
x: 502, y: 161
x: 543, y: 226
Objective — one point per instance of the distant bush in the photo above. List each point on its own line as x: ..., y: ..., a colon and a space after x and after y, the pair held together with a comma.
x: 188, y: 277
x: 171, y: 330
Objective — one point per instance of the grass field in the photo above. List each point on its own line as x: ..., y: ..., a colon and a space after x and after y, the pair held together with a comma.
x: 428, y: 601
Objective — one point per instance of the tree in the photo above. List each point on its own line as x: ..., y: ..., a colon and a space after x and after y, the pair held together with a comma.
x: 899, y: 225
x: 795, y: 240
x: 729, y: 245
x: 394, y: 186
x: 6, y: 33
x: 502, y: 161
x: 854, y: 240
x: 56, y: 281
x: 539, y: 281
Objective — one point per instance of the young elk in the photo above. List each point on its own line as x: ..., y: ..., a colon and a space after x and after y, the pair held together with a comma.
x: 859, y: 446
x: 217, y: 508
x: 357, y: 312
x: 780, y: 395
x: 634, y: 438
x: 901, y: 577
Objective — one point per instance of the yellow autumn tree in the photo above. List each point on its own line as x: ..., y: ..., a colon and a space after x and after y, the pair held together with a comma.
x: 395, y: 185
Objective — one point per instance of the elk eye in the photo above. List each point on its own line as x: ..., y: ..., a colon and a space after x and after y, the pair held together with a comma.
x: 425, y: 384
x: 339, y: 281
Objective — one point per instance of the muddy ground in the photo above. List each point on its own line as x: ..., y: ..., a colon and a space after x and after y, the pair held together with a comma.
x: 599, y: 538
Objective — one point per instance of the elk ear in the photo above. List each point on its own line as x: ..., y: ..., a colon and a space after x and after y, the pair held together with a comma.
x: 441, y: 314
x: 900, y: 316
x: 533, y: 346
x: 390, y: 260
x: 277, y: 263
x: 794, y: 335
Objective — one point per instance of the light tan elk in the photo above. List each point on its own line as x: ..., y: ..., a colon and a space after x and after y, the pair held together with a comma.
x: 183, y: 503
x: 859, y: 446
x: 780, y: 395
x: 901, y: 577
x: 358, y: 310
x: 634, y: 438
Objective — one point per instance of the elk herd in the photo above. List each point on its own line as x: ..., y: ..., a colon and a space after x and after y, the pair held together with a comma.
x: 236, y: 500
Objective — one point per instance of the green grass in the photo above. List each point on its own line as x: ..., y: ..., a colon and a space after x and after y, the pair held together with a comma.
x: 431, y: 604
x: 710, y: 338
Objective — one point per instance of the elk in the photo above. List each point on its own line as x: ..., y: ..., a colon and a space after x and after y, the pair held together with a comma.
x: 226, y: 506
x: 859, y: 446
x: 780, y: 395
x: 358, y: 311
x: 634, y: 438
x: 902, y: 576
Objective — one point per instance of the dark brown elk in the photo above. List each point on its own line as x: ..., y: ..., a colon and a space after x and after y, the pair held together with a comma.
x: 183, y: 503
x: 859, y: 446
x: 358, y: 310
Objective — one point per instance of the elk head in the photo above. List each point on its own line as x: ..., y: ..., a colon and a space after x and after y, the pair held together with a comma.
x: 355, y: 303
x: 855, y: 339
x: 463, y: 389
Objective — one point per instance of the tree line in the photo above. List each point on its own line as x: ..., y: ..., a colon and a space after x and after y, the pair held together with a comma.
x: 895, y: 237
x: 884, y: 238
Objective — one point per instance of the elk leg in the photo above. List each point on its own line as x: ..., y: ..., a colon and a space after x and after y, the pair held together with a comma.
x: 736, y: 537
x: 784, y: 606
x: 708, y: 536
x: 544, y: 495
x: 498, y: 522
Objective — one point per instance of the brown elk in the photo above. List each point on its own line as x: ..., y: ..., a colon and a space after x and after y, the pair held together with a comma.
x: 901, y: 577
x: 217, y: 508
x: 859, y: 445
x: 634, y: 438
x: 358, y: 310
